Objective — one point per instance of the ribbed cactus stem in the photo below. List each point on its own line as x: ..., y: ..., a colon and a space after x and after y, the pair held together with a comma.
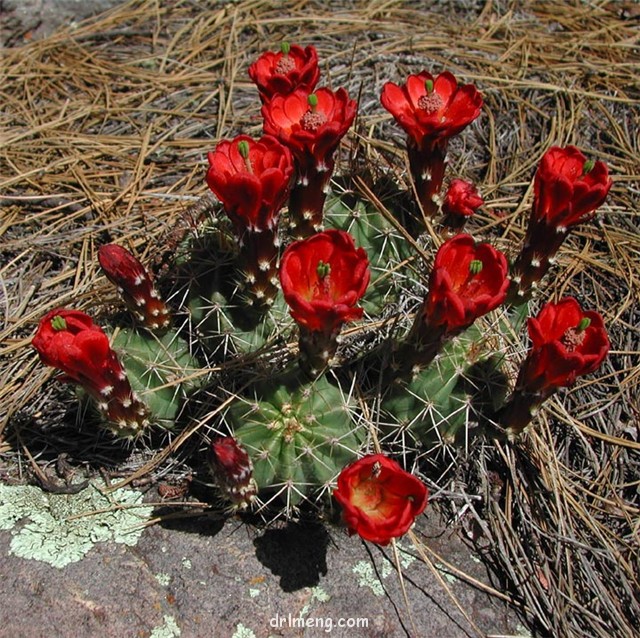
x: 126, y: 415
x: 258, y: 262
x: 427, y: 167
x: 541, y: 244
x: 518, y: 412
x: 306, y: 202
x: 317, y: 350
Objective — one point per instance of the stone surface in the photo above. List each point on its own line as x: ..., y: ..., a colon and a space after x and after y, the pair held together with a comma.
x: 204, y: 578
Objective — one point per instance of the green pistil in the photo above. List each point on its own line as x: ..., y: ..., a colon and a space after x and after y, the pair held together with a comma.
x: 285, y: 47
x: 588, y: 166
x: 58, y: 323
x: 428, y: 85
x: 243, y: 149
x: 585, y: 322
x: 475, y: 267
x: 323, y: 269
x: 312, y: 101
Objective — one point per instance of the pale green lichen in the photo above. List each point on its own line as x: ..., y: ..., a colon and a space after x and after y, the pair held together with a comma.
x: 254, y: 593
x: 448, y: 576
x: 243, y: 632
x: 61, y: 528
x: 163, y: 579
x: 368, y: 577
x: 320, y: 594
x: 169, y: 629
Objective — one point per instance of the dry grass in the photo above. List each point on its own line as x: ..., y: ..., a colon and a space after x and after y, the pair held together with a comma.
x: 104, y: 135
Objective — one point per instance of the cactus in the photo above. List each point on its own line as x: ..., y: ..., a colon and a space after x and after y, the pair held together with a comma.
x: 298, y: 434
x: 446, y: 400
x: 291, y: 421
x: 161, y: 370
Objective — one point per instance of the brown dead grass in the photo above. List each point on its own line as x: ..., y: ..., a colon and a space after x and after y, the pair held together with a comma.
x: 104, y: 135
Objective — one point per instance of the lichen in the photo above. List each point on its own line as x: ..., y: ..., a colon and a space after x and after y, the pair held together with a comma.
x: 169, y: 629
x: 368, y: 577
x: 243, y: 632
x: 163, y: 579
x: 61, y: 528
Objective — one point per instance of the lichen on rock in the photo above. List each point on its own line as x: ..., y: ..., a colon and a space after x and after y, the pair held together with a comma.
x: 60, y: 529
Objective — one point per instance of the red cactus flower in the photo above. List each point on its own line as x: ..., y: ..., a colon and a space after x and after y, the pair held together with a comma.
x: 379, y: 500
x: 322, y: 278
x: 311, y: 125
x: 429, y: 109
x: 566, y: 343
x: 568, y: 188
x: 467, y: 281
x: 69, y: 341
x: 251, y: 179
x: 462, y: 199
x: 133, y: 279
x: 283, y: 72
x: 233, y: 470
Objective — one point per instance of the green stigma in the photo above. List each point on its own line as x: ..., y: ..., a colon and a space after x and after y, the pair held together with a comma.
x: 588, y: 166
x: 585, y: 322
x: 285, y: 47
x: 428, y: 85
x: 58, y: 323
x: 475, y: 267
x: 323, y: 269
x: 243, y: 148
x: 312, y: 101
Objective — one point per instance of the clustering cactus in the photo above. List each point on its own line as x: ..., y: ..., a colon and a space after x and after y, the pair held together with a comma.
x: 294, y: 396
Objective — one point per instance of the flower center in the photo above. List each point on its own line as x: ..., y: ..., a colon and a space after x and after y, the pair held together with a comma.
x: 572, y: 338
x: 368, y: 496
x: 285, y: 65
x: 430, y: 103
x: 312, y: 120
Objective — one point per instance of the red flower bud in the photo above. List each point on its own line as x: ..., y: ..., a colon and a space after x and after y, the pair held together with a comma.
x: 379, y: 500
x: 467, y: 281
x: 251, y: 178
x: 233, y: 470
x: 566, y: 343
x: 69, y: 341
x: 284, y: 72
x: 311, y: 132
x: 429, y: 109
x: 462, y: 199
x: 322, y: 278
x: 568, y: 188
x: 136, y: 285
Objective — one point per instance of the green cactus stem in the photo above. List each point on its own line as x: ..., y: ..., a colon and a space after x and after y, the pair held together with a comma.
x: 442, y: 401
x: 299, y: 434
x: 161, y: 370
